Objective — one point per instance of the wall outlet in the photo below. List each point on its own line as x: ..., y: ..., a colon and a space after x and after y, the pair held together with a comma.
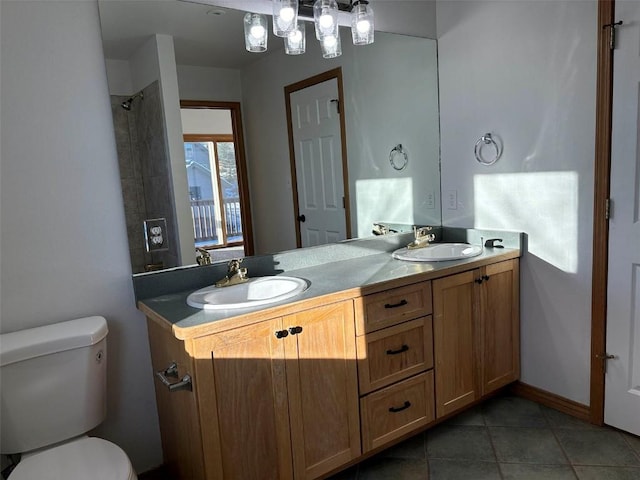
x: 430, y: 200
x: 155, y: 234
x: 451, y: 197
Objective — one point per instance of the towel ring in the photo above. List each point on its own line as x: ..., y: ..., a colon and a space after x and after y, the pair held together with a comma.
x: 486, y: 139
x: 396, y: 152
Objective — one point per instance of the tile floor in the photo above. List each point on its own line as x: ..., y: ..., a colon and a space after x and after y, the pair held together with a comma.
x: 507, y: 438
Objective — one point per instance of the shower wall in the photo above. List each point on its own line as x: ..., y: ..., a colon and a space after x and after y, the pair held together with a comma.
x: 145, y: 176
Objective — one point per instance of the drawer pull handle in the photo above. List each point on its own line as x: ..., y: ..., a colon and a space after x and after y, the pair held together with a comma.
x: 401, y: 303
x: 406, y: 405
x: 402, y: 349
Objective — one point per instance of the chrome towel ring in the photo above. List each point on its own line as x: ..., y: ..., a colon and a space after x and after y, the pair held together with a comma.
x: 398, y: 157
x: 487, y: 139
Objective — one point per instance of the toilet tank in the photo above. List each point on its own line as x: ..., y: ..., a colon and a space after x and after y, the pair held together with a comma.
x: 52, y: 383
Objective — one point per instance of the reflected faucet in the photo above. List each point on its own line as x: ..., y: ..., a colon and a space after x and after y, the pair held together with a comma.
x: 235, y: 274
x: 204, y: 258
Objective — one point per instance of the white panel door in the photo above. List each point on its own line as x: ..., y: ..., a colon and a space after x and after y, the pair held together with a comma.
x: 318, y: 160
x: 622, y: 380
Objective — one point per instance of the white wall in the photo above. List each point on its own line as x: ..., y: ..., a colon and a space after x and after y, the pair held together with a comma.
x: 206, y: 121
x: 207, y: 83
x: 526, y: 72
x: 63, y: 239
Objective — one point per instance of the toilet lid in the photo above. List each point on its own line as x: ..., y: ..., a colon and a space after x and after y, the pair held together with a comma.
x: 86, y: 458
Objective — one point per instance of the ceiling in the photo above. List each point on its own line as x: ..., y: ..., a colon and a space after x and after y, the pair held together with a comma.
x: 203, y: 34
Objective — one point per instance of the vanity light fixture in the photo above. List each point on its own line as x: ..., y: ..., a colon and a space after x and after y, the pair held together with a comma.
x: 288, y: 23
x: 255, y: 32
x: 362, y: 23
x: 285, y: 17
x: 295, y: 42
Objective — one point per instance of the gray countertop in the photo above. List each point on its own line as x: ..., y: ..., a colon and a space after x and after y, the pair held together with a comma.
x: 350, y: 277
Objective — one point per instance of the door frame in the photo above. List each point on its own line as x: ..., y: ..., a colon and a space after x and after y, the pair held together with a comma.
x: 241, y: 162
x: 602, y: 170
x: 288, y: 90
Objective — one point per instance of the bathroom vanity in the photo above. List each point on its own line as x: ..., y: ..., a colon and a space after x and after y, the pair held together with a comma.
x: 374, y: 351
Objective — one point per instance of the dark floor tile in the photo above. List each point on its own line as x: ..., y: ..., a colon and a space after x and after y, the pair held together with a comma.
x: 381, y: 468
x: 440, y: 469
x: 633, y: 441
x: 473, y: 416
x: 607, y: 473
x: 414, y: 447
x: 526, y: 445
x: 558, y: 419
x: 521, y: 471
x: 348, y: 474
x: 597, y: 447
x: 460, y: 443
x: 513, y: 412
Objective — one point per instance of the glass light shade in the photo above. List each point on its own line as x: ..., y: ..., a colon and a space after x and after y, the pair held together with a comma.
x: 325, y: 17
x: 255, y: 32
x: 295, y: 42
x: 331, y: 46
x: 362, y: 23
x: 285, y: 17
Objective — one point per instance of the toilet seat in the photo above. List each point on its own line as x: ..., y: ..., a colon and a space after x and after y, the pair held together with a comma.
x: 86, y: 458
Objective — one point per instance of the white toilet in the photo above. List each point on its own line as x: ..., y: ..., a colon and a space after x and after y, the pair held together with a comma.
x: 53, y: 391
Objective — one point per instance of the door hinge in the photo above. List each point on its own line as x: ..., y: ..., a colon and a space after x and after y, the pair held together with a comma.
x: 612, y: 33
x: 607, y: 209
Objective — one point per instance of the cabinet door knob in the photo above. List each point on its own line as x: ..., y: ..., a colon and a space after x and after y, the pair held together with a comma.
x: 295, y: 330
x: 406, y: 405
x: 485, y: 277
x: 401, y: 303
x: 281, y: 333
x: 402, y: 349
x: 479, y: 280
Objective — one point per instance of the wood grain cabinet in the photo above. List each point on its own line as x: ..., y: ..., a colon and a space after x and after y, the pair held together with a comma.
x: 302, y: 394
x: 476, y: 334
x: 279, y: 399
x: 395, y: 363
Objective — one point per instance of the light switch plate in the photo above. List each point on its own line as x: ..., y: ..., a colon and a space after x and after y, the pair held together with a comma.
x: 155, y: 235
x: 452, y: 199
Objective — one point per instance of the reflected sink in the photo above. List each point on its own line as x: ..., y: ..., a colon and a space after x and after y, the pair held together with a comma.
x: 438, y: 252
x: 253, y: 293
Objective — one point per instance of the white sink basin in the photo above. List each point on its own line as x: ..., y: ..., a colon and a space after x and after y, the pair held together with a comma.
x: 255, y: 292
x: 438, y: 252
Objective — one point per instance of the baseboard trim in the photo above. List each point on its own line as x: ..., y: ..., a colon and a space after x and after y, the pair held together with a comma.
x: 551, y: 400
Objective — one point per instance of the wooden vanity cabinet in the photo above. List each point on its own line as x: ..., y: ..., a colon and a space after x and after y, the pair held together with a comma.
x: 395, y: 363
x: 280, y: 407
x: 300, y: 395
x: 476, y: 334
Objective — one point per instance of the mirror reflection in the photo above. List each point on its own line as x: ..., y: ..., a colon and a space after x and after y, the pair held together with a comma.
x: 384, y: 102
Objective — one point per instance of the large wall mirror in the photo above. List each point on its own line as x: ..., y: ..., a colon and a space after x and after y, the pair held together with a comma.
x: 161, y: 53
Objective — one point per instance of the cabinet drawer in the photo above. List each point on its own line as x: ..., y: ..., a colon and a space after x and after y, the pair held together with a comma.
x: 397, y: 410
x: 384, y: 309
x: 394, y: 353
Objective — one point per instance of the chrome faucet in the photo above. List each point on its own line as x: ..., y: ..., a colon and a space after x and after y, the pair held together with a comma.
x: 422, y: 237
x: 235, y: 274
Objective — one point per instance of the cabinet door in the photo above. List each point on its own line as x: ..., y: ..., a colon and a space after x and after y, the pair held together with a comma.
x: 454, y: 333
x: 323, y: 389
x: 500, y: 322
x: 243, y: 403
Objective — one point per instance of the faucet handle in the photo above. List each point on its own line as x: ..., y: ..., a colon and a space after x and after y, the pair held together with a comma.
x: 491, y: 243
x: 234, y: 264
